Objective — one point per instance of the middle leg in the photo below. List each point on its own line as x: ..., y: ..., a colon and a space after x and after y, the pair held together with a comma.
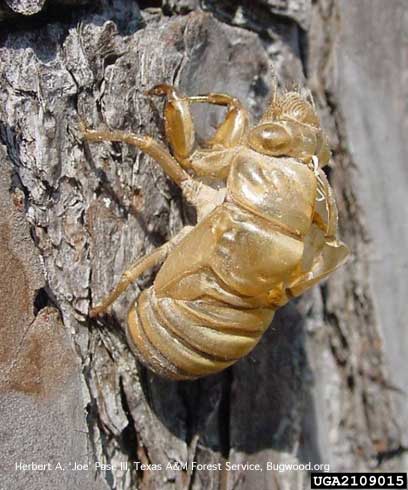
x: 145, y: 143
x: 201, y: 196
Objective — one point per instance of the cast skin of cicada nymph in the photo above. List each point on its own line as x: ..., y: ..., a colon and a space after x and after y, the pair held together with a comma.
x: 266, y: 231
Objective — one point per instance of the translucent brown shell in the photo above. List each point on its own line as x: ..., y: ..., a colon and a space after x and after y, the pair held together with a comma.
x: 266, y: 231
x: 291, y: 105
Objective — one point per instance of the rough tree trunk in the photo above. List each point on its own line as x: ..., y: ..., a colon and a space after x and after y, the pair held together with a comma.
x: 327, y: 382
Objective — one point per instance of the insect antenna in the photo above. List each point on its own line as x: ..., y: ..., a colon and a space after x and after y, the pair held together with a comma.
x: 274, y: 89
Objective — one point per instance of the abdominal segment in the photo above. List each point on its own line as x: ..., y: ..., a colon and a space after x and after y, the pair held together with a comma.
x: 188, y: 339
x: 215, y: 294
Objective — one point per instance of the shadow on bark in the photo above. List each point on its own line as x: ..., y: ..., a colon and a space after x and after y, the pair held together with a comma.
x: 252, y: 406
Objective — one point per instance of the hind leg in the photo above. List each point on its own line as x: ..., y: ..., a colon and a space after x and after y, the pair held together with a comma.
x: 137, y: 269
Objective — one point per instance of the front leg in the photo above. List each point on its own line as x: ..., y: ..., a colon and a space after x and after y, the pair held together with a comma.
x: 326, y: 252
x: 212, y: 162
x: 331, y: 257
x: 232, y: 131
x: 178, y: 122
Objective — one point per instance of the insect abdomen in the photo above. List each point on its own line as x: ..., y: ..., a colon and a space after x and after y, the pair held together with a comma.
x: 188, y: 339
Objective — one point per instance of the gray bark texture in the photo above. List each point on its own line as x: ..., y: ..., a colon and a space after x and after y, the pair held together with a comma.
x: 327, y: 383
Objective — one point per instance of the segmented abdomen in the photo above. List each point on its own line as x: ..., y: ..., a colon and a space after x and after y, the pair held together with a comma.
x: 188, y: 339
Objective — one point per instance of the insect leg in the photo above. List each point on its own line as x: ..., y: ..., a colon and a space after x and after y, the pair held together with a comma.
x: 130, y: 276
x: 203, y: 197
x: 137, y: 269
x: 215, y: 159
x: 179, y: 124
x: 235, y: 125
x: 333, y: 253
x: 332, y: 256
x: 145, y: 143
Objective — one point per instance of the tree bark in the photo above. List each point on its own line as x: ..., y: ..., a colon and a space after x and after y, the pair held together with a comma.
x: 326, y: 384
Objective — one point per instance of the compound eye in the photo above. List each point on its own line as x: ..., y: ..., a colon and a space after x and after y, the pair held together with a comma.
x: 270, y: 139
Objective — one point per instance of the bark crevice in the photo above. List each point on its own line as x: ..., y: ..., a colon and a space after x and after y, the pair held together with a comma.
x: 316, y: 388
